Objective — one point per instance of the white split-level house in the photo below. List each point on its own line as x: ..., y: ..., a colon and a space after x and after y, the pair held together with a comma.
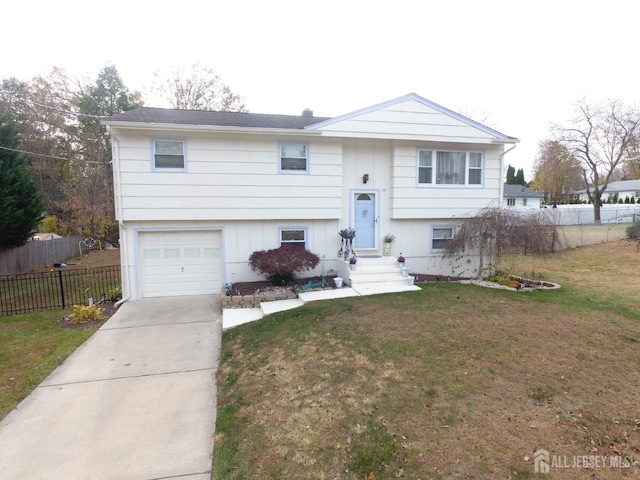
x: 197, y: 192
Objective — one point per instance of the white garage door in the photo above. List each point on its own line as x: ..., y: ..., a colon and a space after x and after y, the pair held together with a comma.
x: 180, y: 263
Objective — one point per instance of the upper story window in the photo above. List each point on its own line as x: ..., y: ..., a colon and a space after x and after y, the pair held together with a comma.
x: 449, y: 168
x: 294, y: 236
x: 293, y: 158
x: 169, y: 155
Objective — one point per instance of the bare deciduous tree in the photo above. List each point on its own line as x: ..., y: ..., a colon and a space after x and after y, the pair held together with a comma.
x: 197, y: 88
x: 601, y: 137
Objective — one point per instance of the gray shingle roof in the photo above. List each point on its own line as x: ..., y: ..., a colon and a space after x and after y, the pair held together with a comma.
x: 225, y: 119
x: 520, y: 191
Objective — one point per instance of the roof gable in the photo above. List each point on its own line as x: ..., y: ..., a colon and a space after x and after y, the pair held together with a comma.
x: 411, y: 117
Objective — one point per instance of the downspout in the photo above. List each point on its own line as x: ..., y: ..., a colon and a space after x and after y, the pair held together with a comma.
x: 501, y: 197
x: 117, y: 183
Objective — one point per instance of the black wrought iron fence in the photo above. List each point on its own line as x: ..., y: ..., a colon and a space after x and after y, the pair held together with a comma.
x: 29, y: 292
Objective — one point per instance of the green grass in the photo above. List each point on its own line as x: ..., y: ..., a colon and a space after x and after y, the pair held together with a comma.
x: 32, y: 346
x: 453, y: 381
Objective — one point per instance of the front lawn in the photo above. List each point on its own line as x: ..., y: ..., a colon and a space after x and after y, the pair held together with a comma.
x: 31, y: 347
x: 453, y: 381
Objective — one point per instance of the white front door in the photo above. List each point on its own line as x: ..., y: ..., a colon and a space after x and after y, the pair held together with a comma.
x: 365, y: 220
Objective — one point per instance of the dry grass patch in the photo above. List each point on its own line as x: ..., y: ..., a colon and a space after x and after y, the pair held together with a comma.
x: 454, y: 381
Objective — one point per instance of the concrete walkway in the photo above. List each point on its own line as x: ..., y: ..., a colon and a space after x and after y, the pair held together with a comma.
x: 136, y: 401
x: 233, y: 317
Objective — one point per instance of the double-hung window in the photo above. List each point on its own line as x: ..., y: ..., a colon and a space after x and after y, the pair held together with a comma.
x: 440, y: 167
x: 293, y: 158
x: 169, y: 155
x: 293, y: 236
x: 441, y: 235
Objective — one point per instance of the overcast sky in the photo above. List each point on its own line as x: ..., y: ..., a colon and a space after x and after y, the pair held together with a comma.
x: 516, y: 66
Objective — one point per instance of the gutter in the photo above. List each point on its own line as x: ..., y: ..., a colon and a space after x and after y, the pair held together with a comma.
x: 209, y: 128
x: 501, y: 198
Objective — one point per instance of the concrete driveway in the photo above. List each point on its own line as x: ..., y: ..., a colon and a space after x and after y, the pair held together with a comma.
x: 136, y: 401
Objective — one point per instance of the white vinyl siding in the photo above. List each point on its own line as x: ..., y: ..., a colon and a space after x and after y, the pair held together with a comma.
x: 293, y: 158
x: 228, y: 178
x: 412, y: 199
x: 169, y: 155
x: 457, y: 168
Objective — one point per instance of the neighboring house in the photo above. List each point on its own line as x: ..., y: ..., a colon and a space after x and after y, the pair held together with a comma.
x: 624, y: 188
x: 197, y: 192
x: 520, y: 196
x: 45, y: 236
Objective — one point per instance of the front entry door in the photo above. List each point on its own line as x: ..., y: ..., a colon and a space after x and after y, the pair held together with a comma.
x: 365, y: 220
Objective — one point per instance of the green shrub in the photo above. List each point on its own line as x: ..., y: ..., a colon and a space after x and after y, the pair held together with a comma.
x: 114, y: 294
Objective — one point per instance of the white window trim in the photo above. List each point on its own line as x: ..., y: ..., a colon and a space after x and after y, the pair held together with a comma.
x: 434, y: 166
x: 304, y: 229
x: 153, y: 155
x: 293, y: 172
x: 511, y: 202
x: 432, y: 227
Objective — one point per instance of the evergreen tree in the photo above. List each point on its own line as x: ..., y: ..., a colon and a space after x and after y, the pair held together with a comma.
x: 511, y: 175
x: 20, y: 203
x: 519, y: 180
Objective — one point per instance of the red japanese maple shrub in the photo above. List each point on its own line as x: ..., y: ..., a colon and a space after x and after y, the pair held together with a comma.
x: 280, y: 264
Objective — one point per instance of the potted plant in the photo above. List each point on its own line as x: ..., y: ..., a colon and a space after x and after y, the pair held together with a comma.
x: 388, y: 239
x: 352, y: 262
x: 401, y: 260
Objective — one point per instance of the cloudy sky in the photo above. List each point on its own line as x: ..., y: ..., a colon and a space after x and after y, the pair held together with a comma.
x: 516, y: 66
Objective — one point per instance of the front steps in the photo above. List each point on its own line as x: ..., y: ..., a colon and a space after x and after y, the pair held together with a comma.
x: 378, y: 275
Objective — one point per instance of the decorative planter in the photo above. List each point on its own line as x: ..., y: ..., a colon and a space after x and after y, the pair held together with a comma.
x: 352, y: 266
x: 405, y: 271
x: 337, y: 281
x: 387, y: 249
x: 410, y: 279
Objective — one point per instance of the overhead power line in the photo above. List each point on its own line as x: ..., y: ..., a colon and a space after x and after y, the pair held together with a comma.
x: 32, y: 153
x: 66, y: 112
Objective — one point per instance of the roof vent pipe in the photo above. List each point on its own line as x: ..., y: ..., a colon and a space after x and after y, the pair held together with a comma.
x: 307, y: 112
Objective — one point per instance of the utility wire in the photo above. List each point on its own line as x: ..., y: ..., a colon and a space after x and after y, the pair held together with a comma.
x: 31, y: 153
x: 51, y: 156
x: 26, y: 100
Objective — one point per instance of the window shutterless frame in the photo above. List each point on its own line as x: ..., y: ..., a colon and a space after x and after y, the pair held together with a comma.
x: 293, y: 236
x: 168, y: 155
x: 293, y: 158
x: 440, y: 235
x: 450, y: 168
